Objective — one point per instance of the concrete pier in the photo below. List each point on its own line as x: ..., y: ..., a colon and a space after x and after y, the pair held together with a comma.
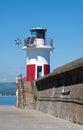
x: 12, y: 118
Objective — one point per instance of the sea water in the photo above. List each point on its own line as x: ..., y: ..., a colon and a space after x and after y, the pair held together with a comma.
x: 8, y: 100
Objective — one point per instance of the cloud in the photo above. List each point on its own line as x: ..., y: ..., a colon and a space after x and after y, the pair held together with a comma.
x: 10, y: 78
x: 3, y: 80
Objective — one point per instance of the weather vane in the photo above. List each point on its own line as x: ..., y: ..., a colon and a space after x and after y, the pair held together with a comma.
x: 18, y: 42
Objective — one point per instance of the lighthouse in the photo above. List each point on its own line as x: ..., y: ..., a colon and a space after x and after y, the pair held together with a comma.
x: 38, y: 54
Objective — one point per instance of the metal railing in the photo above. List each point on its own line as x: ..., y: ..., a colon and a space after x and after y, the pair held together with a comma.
x: 47, y: 42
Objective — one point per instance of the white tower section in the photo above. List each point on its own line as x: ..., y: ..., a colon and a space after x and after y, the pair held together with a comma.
x: 38, y: 54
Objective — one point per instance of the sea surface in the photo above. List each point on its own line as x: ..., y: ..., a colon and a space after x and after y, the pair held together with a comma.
x: 7, y: 100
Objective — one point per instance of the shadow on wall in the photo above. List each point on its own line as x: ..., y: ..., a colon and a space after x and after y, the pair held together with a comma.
x: 58, y: 80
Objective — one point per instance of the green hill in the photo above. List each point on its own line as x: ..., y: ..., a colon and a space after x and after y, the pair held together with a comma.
x: 8, y: 88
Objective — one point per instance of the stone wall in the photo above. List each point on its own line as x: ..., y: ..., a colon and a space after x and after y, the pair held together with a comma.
x: 24, y: 94
x: 69, y: 107
x: 51, y: 94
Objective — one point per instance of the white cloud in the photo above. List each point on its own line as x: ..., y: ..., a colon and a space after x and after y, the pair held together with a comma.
x: 3, y: 79
x: 7, y: 79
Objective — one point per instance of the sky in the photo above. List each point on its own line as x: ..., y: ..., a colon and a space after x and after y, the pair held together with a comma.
x: 63, y: 20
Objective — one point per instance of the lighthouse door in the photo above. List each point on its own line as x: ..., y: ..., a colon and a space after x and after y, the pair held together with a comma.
x: 39, y: 71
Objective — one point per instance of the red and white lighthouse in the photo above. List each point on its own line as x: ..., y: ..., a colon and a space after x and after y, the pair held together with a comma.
x: 38, y: 54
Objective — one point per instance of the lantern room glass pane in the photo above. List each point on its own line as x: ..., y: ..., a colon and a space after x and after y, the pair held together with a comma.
x: 38, y: 33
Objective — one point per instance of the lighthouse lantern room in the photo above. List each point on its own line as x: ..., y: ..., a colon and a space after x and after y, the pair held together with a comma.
x: 38, y: 54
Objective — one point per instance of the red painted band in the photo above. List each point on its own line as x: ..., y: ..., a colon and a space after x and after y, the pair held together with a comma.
x: 30, y: 73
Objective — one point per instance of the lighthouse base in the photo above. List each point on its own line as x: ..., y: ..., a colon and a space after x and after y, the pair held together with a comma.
x: 34, y: 72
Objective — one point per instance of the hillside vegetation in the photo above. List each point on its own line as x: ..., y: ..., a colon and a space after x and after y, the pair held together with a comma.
x: 8, y: 88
